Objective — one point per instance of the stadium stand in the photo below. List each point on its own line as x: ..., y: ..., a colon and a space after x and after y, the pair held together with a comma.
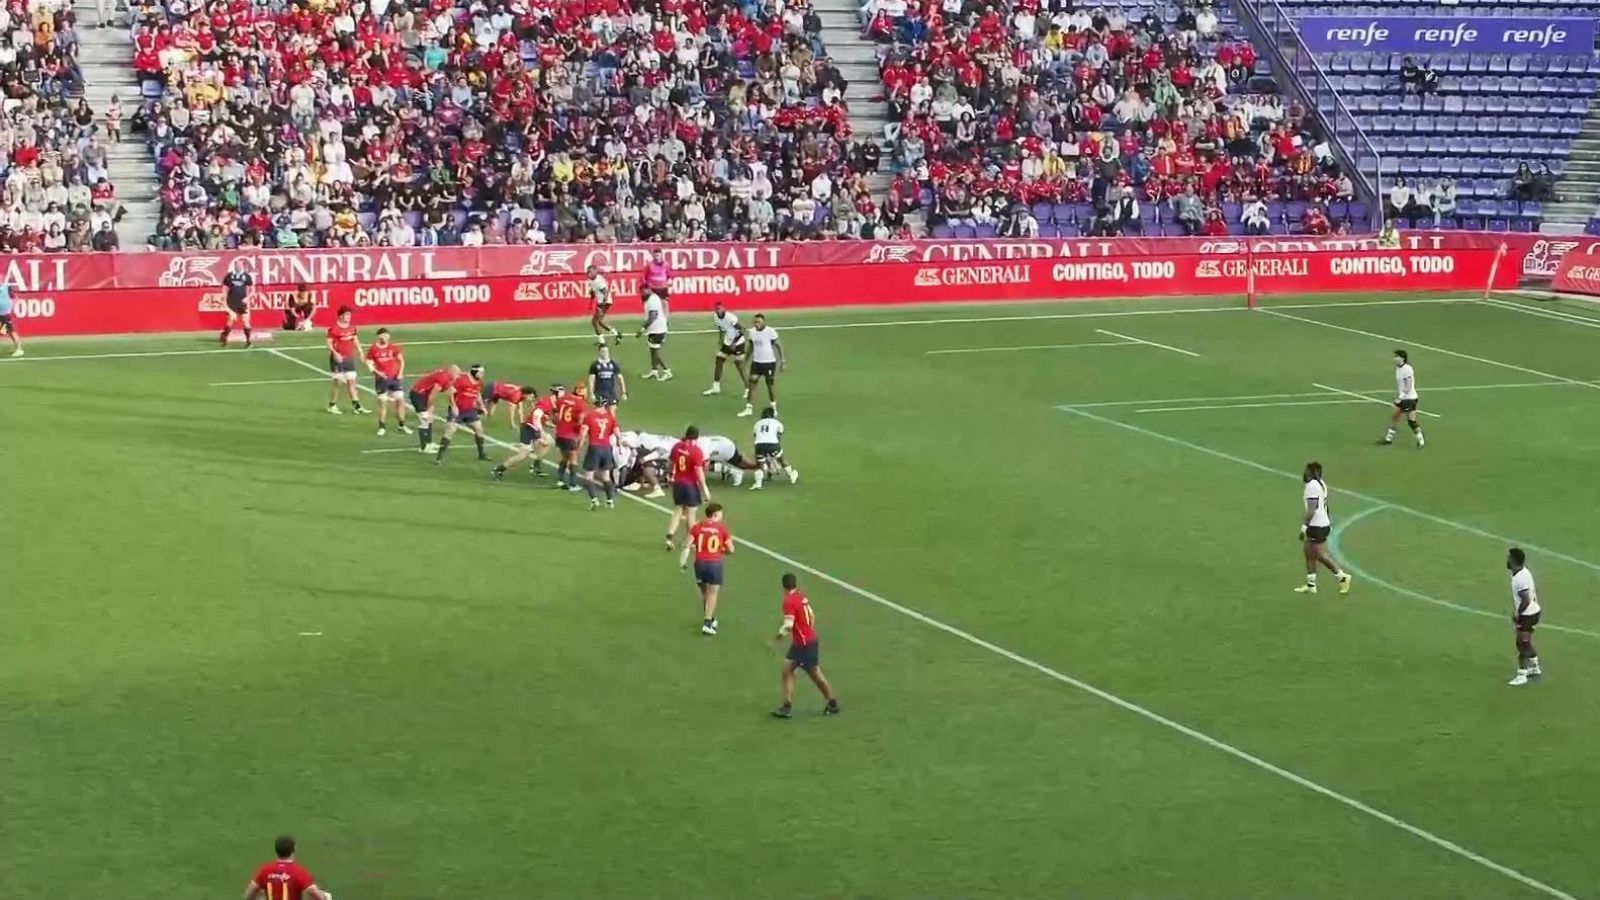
x: 56, y: 192
x: 453, y: 123
x: 1009, y: 119
x: 1475, y: 141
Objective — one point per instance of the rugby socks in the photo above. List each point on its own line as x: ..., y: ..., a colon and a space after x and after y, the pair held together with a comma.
x: 479, y: 439
x: 444, y: 444
x: 761, y: 476
x: 1311, y: 580
x: 611, y: 490
x: 1416, y: 430
x: 588, y: 487
x: 247, y: 336
x: 424, y: 436
x: 1388, y: 436
x: 226, y: 330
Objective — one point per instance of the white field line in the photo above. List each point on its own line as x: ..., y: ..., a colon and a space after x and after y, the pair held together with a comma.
x: 802, y: 326
x: 392, y: 450
x: 1401, y: 342
x: 1369, y: 399
x: 1129, y: 337
x: 956, y: 350
x: 273, y: 381
x: 1126, y: 705
x: 1540, y: 294
x: 1377, y: 394
x: 1555, y: 315
x: 1260, y: 467
x: 1331, y: 401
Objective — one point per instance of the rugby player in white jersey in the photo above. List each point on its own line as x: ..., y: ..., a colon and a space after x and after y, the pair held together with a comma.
x: 1525, y: 611
x: 600, y: 300
x: 769, y: 450
x: 1315, y: 529
x: 1405, y: 399
x: 730, y: 345
x: 642, y: 460
x: 723, y: 457
x: 766, y: 361
x: 654, y: 332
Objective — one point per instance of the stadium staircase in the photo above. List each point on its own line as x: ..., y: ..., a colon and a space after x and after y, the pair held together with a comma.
x: 1579, y: 188
x: 857, y: 60
x: 106, y: 57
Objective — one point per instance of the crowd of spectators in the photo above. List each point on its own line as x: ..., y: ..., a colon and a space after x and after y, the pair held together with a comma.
x: 55, y: 192
x: 1156, y: 122
x: 336, y: 122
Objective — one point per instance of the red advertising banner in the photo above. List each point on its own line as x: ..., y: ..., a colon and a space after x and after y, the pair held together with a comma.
x: 433, y: 299
x: 1577, y: 275
x: 43, y: 273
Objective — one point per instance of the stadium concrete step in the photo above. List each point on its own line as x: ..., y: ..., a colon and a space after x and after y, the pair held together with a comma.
x: 857, y: 60
x: 105, y: 56
x: 1579, y: 186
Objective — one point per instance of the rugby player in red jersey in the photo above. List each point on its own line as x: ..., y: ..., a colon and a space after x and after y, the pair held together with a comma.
x: 386, y: 360
x: 799, y: 626
x: 344, y: 348
x: 686, y: 464
x: 600, y: 430
x: 506, y: 392
x: 467, y: 397
x: 422, y: 391
x: 569, y: 412
x: 530, y: 435
x: 283, y: 878
x: 709, y: 541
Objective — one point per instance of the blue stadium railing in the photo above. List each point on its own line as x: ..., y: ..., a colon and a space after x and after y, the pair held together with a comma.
x: 1293, y: 62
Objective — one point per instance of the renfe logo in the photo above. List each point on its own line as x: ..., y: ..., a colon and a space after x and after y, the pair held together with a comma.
x: 1447, y: 34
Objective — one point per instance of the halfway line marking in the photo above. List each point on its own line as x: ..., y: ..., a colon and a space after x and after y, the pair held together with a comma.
x: 274, y: 381
x: 1368, y: 399
x: 1334, y: 547
x: 1239, y: 460
x: 1458, y: 355
x: 1126, y: 705
x: 1032, y: 347
x: 1128, y: 337
x: 1333, y: 401
x: 1380, y: 392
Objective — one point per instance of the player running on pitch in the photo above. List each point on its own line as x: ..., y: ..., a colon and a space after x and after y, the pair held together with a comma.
x: 769, y: 450
x: 531, y: 438
x: 344, y: 348
x: 686, y: 466
x: 1525, y: 610
x: 600, y: 460
x: 8, y: 327
x: 1405, y: 400
x: 730, y: 345
x: 467, y: 397
x: 766, y: 361
x: 600, y: 300
x: 386, y: 360
x: 709, y: 541
x: 654, y: 332
x: 799, y: 626
x: 422, y: 391
x: 1314, y: 531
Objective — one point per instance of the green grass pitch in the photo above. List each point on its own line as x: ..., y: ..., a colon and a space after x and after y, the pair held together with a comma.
x: 1053, y: 588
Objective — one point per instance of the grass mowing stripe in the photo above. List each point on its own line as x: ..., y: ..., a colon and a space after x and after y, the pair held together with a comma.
x: 816, y: 326
x: 1455, y: 353
x: 1368, y: 399
x: 1261, y: 467
x: 1113, y: 699
x: 1335, y: 539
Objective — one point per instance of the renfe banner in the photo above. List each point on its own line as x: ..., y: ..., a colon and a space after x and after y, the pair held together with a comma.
x: 469, y: 298
x: 1448, y: 34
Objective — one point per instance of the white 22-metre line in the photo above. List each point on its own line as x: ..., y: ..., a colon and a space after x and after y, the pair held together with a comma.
x: 1102, y: 694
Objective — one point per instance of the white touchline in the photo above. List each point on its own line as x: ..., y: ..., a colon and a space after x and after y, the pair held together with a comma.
x: 1033, y: 347
x: 1127, y: 337
x: 1554, y: 315
x: 1379, y: 392
x: 1260, y: 467
x: 1368, y: 399
x: 1113, y: 699
x: 311, y: 634
x: 390, y: 450
x: 274, y: 381
x: 1401, y: 342
x: 1332, y: 401
x: 802, y: 326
